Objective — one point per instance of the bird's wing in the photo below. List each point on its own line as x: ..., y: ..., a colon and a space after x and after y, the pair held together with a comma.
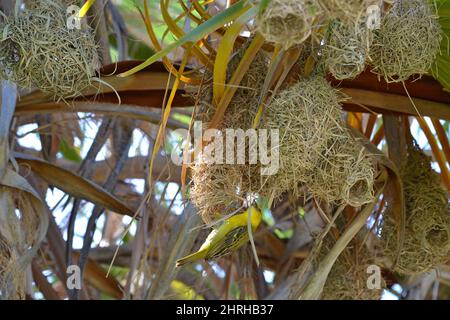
x: 231, y: 241
x: 226, y: 227
x: 210, y: 239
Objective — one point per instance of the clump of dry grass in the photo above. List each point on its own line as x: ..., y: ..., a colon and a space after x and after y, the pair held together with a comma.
x: 39, y: 50
x: 346, y: 176
x: 347, y: 279
x: 215, y: 190
x: 347, y: 50
x: 408, y: 41
x: 12, y: 279
x: 288, y: 22
x: 17, y: 235
x: 316, y: 148
x: 346, y: 10
x: 220, y: 189
x: 427, y: 234
x: 244, y: 106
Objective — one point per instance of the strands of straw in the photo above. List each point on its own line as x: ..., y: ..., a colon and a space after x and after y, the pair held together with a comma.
x: 408, y: 41
x: 346, y: 10
x: 347, y: 279
x: 288, y: 22
x: 347, y: 50
x: 219, y: 189
x: 17, y: 236
x: 39, y: 50
x: 427, y: 234
x: 315, y: 148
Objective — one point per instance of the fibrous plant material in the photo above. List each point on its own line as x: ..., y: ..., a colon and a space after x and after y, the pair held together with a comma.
x: 346, y: 10
x: 215, y: 189
x: 427, y: 234
x: 316, y: 149
x: 220, y: 188
x: 345, y: 175
x: 349, y: 277
x: 347, y: 45
x: 19, y: 227
x: 347, y: 50
x: 39, y: 50
x: 288, y: 22
x: 242, y: 110
x: 12, y: 279
x: 407, y: 42
x: 243, y: 107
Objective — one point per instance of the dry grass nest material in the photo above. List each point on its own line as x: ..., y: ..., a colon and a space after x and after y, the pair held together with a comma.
x: 347, y: 279
x: 316, y: 148
x: 288, y: 22
x: 347, y: 50
x: 222, y: 188
x: 17, y: 235
x: 427, y: 234
x: 11, y: 279
x: 346, y: 10
x: 408, y: 41
x: 218, y: 189
x: 38, y: 50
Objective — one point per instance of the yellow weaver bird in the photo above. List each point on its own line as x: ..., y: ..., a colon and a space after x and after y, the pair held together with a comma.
x: 228, y: 237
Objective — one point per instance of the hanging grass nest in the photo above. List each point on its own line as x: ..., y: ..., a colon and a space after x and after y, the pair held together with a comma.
x: 348, y: 279
x: 243, y: 107
x: 347, y: 50
x: 427, y: 234
x: 288, y: 22
x: 408, y: 41
x: 346, y: 10
x: 222, y: 188
x: 347, y: 176
x: 12, y: 280
x: 38, y: 50
x: 316, y: 148
x: 215, y: 189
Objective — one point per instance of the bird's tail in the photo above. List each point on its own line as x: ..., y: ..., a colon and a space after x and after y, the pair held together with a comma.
x: 190, y: 258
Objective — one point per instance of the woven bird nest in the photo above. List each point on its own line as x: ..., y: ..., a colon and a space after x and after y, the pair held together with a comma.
x: 316, y: 148
x: 347, y: 50
x: 12, y: 280
x: 408, y: 41
x: 348, y: 279
x: 427, y: 234
x: 222, y: 188
x: 38, y: 50
x: 288, y: 22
